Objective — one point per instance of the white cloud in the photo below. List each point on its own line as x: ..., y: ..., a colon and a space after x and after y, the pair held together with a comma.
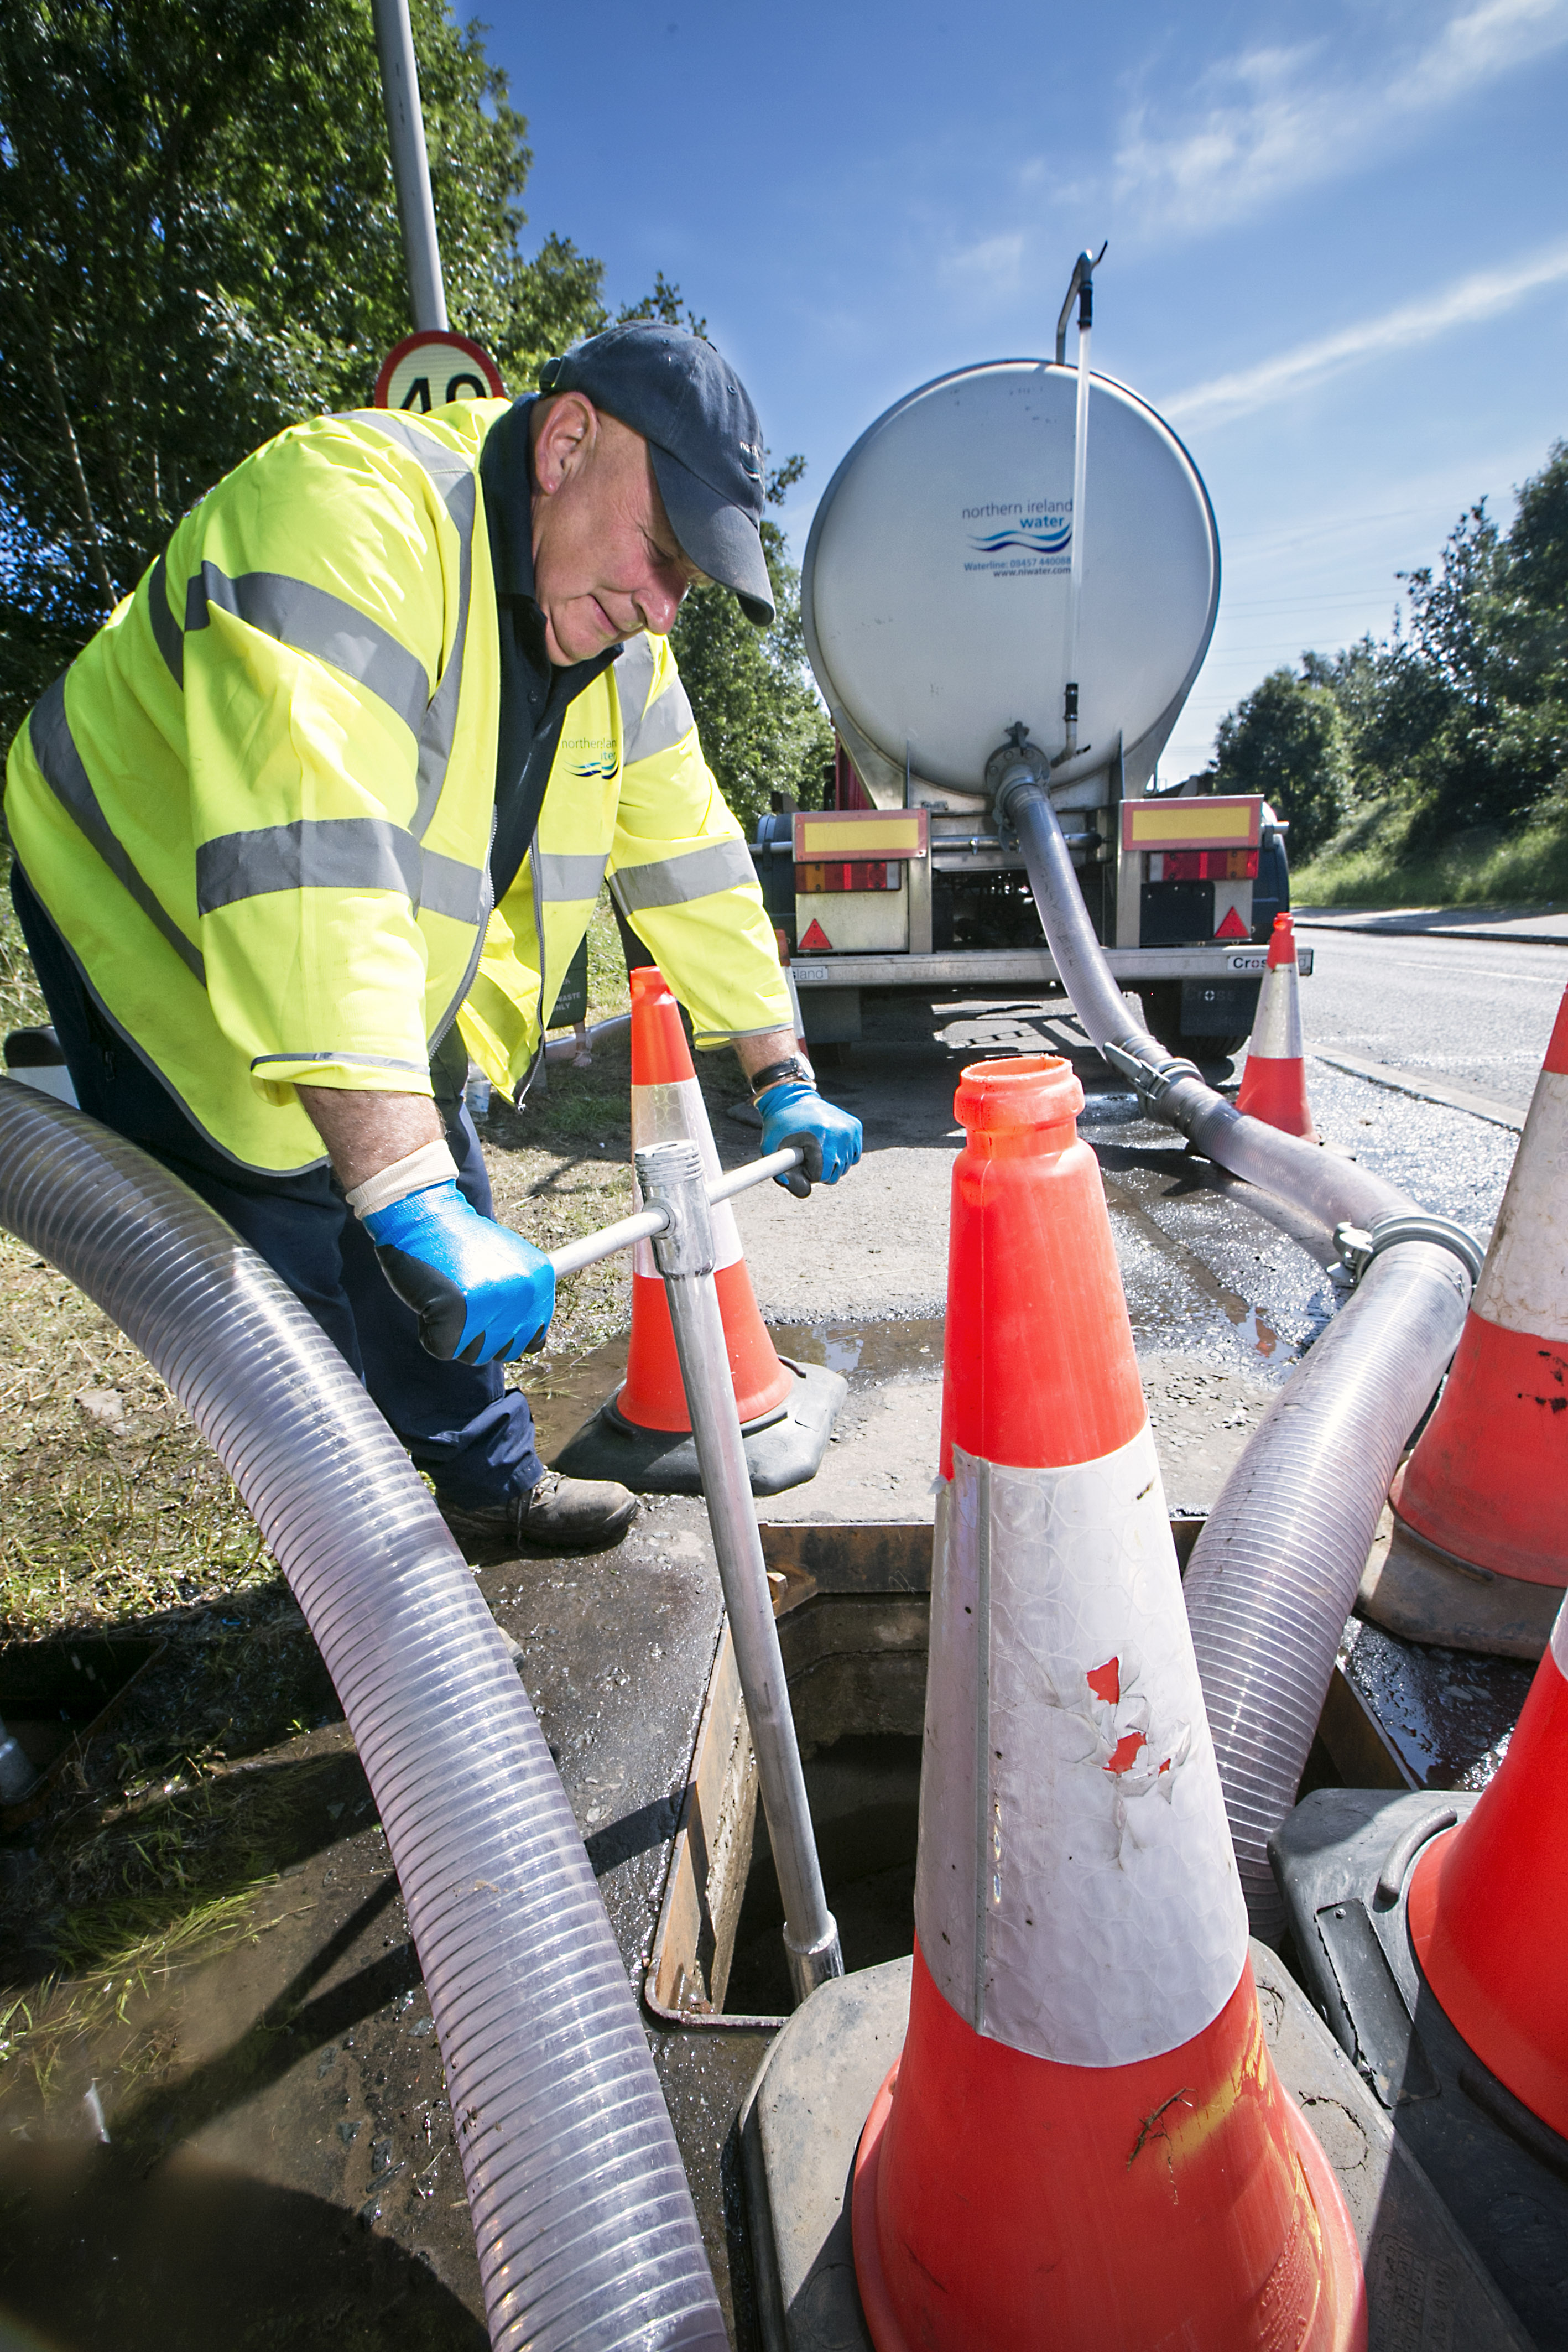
x: 1463, y: 303
x: 1274, y: 119
x: 991, y: 267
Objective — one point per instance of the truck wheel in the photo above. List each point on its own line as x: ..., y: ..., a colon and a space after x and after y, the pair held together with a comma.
x: 1161, y: 1001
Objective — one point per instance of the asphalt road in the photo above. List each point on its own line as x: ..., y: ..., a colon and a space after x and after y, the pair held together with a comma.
x: 1476, y: 1013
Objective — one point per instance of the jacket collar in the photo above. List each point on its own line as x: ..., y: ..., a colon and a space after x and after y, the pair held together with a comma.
x: 505, y: 470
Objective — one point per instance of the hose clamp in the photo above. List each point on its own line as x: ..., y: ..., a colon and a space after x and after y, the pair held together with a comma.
x: 1356, y: 1246
x: 1153, y: 1080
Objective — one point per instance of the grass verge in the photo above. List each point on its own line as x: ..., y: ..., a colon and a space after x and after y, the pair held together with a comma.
x: 1370, y: 864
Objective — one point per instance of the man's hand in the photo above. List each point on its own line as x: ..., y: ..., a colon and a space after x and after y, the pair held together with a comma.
x: 829, y: 1138
x: 482, y: 1293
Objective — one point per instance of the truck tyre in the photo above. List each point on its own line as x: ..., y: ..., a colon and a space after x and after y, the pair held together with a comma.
x: 1161, y: 1001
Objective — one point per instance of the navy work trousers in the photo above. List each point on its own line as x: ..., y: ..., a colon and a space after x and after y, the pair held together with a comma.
x: 459, y: 1422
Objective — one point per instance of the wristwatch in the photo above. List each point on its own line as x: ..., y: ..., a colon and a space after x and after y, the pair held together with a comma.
x: 795, y: 1068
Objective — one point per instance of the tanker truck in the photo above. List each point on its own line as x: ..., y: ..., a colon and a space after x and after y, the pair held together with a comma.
x: 1037, y: 521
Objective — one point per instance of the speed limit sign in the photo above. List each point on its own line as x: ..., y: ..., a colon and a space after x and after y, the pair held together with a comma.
x: 427, y: 370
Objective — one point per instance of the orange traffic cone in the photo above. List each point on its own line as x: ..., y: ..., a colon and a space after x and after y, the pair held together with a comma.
x: 1084, y: 2143
x: 1487, y: 1482
x: 1274, y: 1082
x: 666, y: 1105
x: 1488, y: 1905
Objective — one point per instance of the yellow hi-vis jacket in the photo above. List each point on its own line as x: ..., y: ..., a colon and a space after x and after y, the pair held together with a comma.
x: 258, y: 805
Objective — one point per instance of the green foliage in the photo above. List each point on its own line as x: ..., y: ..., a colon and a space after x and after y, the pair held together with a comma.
x: 1286, y: 741
x: 198, y: 245
x: 1373, y: 863
x: 763, y: 729
x: 1458, y: 728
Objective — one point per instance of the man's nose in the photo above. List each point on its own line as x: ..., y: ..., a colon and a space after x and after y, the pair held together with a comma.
x: 658, y: 603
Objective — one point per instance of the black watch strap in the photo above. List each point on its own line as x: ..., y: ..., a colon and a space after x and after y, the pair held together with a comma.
x: 777, y: 1072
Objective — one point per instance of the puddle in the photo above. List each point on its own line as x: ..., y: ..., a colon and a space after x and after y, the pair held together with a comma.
x: 563, y: 1390
x: 1250, y: 1328
x: 192, y: 2253
x: 258, y: 2149
x: 867, y: 1351
x: 1449, y: 1715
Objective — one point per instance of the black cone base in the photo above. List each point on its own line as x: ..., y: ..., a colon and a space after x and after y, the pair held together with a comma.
x: 786, y: 1453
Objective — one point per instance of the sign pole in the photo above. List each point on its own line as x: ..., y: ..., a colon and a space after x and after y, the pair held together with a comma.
x: 411, y: 165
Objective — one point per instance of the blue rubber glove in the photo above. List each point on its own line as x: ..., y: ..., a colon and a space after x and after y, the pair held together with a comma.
x: 481, y: 1292
x: 793, y: 1112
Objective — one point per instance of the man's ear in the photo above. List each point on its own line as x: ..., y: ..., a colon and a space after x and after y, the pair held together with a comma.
x: 564, y: 441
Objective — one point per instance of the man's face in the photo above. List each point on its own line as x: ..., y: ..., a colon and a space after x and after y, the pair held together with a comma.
x: 606, y: 562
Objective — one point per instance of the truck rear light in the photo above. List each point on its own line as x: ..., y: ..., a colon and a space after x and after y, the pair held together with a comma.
x: 809, y: 879
x: 1202, y: 865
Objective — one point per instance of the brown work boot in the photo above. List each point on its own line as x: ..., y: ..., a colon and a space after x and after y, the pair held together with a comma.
x: 560, y: 1514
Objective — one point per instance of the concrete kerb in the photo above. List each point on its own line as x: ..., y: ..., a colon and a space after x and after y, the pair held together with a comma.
x: 1547, y: 930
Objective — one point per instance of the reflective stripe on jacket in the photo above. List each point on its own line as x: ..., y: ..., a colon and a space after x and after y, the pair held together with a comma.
x: 258, y: 805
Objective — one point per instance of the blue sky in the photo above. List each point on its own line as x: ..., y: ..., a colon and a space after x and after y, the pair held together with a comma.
x: 1338, y: 241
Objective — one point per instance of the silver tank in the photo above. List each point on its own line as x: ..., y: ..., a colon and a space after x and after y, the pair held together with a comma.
x: 936, y: 580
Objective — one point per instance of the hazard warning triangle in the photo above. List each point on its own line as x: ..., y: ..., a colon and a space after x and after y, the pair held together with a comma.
x: 1233, y: 928
x: 816, y: 941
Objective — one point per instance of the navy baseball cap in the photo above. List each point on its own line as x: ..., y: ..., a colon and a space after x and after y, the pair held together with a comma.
x: 694, y: 412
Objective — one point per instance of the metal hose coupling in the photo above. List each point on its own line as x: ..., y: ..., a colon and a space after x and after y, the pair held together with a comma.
x: 1013, y: 767
x: 1357, y: 1245
x: 1154, y: 1080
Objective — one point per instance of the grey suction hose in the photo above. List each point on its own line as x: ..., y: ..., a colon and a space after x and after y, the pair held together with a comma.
x: 586, y: 2230
x: 1274, y: 1573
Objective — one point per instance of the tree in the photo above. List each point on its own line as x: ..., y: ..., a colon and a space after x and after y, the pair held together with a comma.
x: 198, y: 245
x: 1490, y: 626
x: 1393, y: 704
x: 763, y: 729
x: 1286, y: 741
x: 1462, y: 722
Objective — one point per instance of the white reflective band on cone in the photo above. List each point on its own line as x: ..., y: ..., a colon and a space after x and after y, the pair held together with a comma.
x: 1277, y: 1031
x: 1559, y: 1642
x: 1076, y: 1895
x: 668, y: 1113
x: 1523, y: 1284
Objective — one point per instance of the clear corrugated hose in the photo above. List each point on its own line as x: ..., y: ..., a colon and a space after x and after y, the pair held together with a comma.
x: 586, y: 2230
x: 1274, y: 1573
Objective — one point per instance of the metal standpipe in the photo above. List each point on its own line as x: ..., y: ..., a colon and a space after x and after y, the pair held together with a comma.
x: 671, y: 1177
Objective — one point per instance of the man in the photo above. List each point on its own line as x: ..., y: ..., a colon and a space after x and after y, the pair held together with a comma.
x: 324, y: 808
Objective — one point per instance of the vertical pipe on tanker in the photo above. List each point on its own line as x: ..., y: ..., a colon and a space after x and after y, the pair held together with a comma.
x: 410, y: 164
x: 1083, y: 278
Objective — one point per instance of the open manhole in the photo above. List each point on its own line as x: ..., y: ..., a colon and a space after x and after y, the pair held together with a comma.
x: 853, y: 1605
x: 58, y: 1695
